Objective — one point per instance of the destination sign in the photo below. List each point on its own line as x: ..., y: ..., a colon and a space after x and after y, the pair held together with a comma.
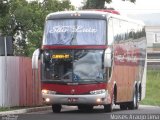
x: 61, y: 56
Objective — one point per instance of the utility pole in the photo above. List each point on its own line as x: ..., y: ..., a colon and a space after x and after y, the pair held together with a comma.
x: 6, y: 71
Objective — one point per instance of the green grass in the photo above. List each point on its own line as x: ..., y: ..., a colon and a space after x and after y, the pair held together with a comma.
x: 10, y: 108
x: 17, y: 108
x: 4, y: 109
x: 152, y: 88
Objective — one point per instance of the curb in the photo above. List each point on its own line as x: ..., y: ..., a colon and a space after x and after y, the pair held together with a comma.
x: 27, y: 110
x: 151, y: 106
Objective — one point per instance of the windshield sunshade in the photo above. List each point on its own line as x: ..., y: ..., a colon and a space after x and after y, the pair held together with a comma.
x: 75, y: 32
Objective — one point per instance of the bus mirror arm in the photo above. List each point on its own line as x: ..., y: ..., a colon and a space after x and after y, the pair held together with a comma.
x: 108, y: 58
x: 35, y: 59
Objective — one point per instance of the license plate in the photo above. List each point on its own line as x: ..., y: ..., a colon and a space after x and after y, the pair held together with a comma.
x: 72, y: 99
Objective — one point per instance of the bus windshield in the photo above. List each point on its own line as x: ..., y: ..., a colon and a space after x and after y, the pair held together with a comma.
x: 75, y: 32
x: 73, y: 66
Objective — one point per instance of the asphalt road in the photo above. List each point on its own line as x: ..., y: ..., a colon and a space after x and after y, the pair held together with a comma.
x: 72, y: 113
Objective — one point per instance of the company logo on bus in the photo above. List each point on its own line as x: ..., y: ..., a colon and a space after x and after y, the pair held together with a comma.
x: 61, y: 56
x: 72, y: 91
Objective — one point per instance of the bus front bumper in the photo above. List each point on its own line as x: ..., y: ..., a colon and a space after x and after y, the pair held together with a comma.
x: 97, y: 99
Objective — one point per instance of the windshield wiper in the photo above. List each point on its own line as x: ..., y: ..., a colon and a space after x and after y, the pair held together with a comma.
x: 90, y: 81
x: 97, y: 81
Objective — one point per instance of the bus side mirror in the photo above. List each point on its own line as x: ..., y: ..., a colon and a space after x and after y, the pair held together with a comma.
x: 108, y: 58
x: 35, y: 59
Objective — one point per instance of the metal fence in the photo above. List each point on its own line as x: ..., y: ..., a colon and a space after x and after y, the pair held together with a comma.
x: 19, y: 85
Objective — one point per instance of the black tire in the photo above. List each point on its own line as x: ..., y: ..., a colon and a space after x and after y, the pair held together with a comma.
x: 135, y: 103
x: 123, y: 107
x: 109, y: 107
x: 139, y: 95
x: 56, y: 108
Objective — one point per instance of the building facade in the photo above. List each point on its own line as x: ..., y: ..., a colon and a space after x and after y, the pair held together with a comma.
x: 153, y: 38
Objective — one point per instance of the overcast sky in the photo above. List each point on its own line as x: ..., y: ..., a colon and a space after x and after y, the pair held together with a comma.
x: 141, y: 6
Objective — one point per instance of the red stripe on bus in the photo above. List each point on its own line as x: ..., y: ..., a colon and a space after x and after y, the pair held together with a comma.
x: 78, y: 89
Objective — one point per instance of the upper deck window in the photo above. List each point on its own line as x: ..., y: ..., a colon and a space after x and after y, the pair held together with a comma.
x: 75, y: 32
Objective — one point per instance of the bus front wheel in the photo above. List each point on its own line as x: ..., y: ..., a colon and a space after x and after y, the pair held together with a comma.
x: 109, y: 107
x: 123, y: 106
x: 56, y: 108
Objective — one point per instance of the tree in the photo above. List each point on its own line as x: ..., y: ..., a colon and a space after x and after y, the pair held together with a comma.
x: 98, y: 4
x: 4, y: 8
x: 25, y: 21
x: 133, y: 1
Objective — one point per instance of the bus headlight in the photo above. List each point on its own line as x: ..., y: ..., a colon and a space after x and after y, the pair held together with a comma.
x: 48, y: 92
x: 97, y: 91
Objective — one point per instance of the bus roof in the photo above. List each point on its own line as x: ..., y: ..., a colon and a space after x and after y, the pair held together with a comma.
x: 89, y: 14
x: 77, y: 14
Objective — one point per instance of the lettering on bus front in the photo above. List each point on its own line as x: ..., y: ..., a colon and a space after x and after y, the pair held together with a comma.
x: 78, y: 29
